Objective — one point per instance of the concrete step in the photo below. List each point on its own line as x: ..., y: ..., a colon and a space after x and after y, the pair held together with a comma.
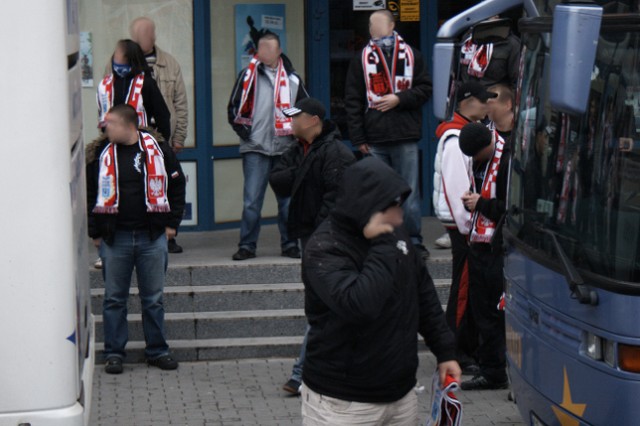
x: 219, y: 349
x: 219, y: 325
x: 212, y: 298
x: 249, y: 272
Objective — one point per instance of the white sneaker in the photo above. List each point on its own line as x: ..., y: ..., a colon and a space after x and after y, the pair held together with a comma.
x: 444, y: 242
x: 98, y: 264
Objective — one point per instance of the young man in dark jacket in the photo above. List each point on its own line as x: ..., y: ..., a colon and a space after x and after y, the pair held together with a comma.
x: 311, y: 174
x: 367, y: 295
x: 135, y: 200
x: 387, y: 85
x: 487, y: 201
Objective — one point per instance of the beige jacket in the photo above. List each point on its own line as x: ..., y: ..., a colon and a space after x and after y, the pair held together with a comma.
x: 168, y: 76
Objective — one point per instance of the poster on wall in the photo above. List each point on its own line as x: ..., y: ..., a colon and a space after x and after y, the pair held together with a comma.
x: 252, y: 18
x: 369, y: 4
x: 86, y: 59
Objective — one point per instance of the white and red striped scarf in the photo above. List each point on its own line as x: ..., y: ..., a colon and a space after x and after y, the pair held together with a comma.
x: 281, y: 97
x: 155, y: 177
x: 379, y: 79
x: 134, y: 98
x: 482, y: 229
x: 477, y: 57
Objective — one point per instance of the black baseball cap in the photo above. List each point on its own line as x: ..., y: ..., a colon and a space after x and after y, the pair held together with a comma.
x: 311, y: 106
x: 473, y: 89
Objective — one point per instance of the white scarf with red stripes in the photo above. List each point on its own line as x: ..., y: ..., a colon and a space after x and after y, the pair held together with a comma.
x: 382, y: 80
x: 281, y: 97
x: 482, y: 227
x: 477, y: 57
x: 134, y: 98
x: 155, y: 177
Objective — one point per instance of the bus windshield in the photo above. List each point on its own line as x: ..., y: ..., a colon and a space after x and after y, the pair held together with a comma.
x: 579, y: 176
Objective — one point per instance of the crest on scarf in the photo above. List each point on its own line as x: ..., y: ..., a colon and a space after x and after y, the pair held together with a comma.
x: 106, y: 187
x: 156, y: 186
x: 379, y: 83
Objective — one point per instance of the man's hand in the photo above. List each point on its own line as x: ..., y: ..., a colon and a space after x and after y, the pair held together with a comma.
x: 177, y: 148
x: 170, y: 232
x: 388, y: 102
x: 449, y: 368
x: 97, y: 242
x: 470, y: 200
x: 377, y: 226
x: 364, y: 148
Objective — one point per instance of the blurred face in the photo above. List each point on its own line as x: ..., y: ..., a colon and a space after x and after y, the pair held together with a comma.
x: 119, y: 57
x: 269, y: 51
x: 393, y: 216
x: 302, y: 122
x: 380, y: 25
x: 144, y: 33
x: 485, y: 153
x: 117, y: 130
x: 497, y: 109
x: 473, y: 108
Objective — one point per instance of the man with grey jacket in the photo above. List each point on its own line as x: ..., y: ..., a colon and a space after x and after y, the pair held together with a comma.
x: 262, y: 91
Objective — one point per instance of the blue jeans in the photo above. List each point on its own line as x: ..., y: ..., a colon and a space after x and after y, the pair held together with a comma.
x: 404, y: 159
x: 149, y: 257
x: 296, y: 373
x: 256, y: 168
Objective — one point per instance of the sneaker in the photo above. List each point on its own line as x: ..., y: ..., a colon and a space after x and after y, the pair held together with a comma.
x: 98, y: 263
x: 292, y: 386
x: 292, y: 252
x: 422, y: 251
x: 165, y: 362
x: 480, y: 382
x: 113, y: 365
x: 243, y: 254
x: 470, y: 370
x: 444, y: 242
x: 173, y: 246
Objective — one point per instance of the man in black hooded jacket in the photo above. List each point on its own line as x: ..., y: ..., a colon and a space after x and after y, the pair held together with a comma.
x: 367, y: 296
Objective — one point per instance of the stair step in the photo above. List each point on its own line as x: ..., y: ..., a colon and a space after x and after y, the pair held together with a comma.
x: 216, y: 325
x: 234, y: 297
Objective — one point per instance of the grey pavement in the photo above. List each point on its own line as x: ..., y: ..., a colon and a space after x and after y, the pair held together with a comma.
x: 243, y: 393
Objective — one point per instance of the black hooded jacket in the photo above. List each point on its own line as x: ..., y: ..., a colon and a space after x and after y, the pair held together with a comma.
x: 366, y: 300
x: 311, y: 180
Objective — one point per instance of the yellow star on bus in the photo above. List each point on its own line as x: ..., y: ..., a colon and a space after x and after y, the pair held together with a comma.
x: 569, y: 405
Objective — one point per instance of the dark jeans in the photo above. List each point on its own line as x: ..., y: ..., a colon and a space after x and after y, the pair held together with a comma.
x: 256, y: 168
x: 486, y: 284
x: 458, y: 314
x: 149, y: 257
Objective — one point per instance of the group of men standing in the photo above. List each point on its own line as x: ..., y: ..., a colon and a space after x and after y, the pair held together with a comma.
x: 357, y: 225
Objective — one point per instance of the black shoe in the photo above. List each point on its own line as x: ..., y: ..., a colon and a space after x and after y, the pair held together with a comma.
x: 470, y: 369
x: 292, y: 252
x: 480, y: 382
x: 165, y: 362
x: 422, y: 251
x: 173, y: 246
x: 113, y: 365
x: 292, y: 386
x: 243, y: 254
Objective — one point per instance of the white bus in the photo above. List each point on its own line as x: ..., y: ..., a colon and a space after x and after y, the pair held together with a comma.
x: 46, y: 326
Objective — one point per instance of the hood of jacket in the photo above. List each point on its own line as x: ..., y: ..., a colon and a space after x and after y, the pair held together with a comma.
x: 457, y: 122
x: 369, y: 186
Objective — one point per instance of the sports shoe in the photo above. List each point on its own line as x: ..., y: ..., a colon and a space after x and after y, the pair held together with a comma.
x: 444, y: 242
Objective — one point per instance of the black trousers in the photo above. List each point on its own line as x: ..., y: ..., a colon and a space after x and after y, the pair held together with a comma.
x: 459, y: 316
x: 486, y: 284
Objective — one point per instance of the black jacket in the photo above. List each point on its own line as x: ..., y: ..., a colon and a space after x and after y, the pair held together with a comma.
x: 311, y: 180
x: 154, y: 104
x: 104, y: 225
x: 401, y: 124
x: 366, y: 301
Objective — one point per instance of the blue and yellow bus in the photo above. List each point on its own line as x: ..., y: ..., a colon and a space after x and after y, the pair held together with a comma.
x: 572, y: 232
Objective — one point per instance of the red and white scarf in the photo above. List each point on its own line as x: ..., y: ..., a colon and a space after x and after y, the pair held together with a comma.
x: 155, y: 177
x: 379, y: 79
x: 281, y: 97
x: 134, y: 98
x: 477, y: 57
x: 483, y: 228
